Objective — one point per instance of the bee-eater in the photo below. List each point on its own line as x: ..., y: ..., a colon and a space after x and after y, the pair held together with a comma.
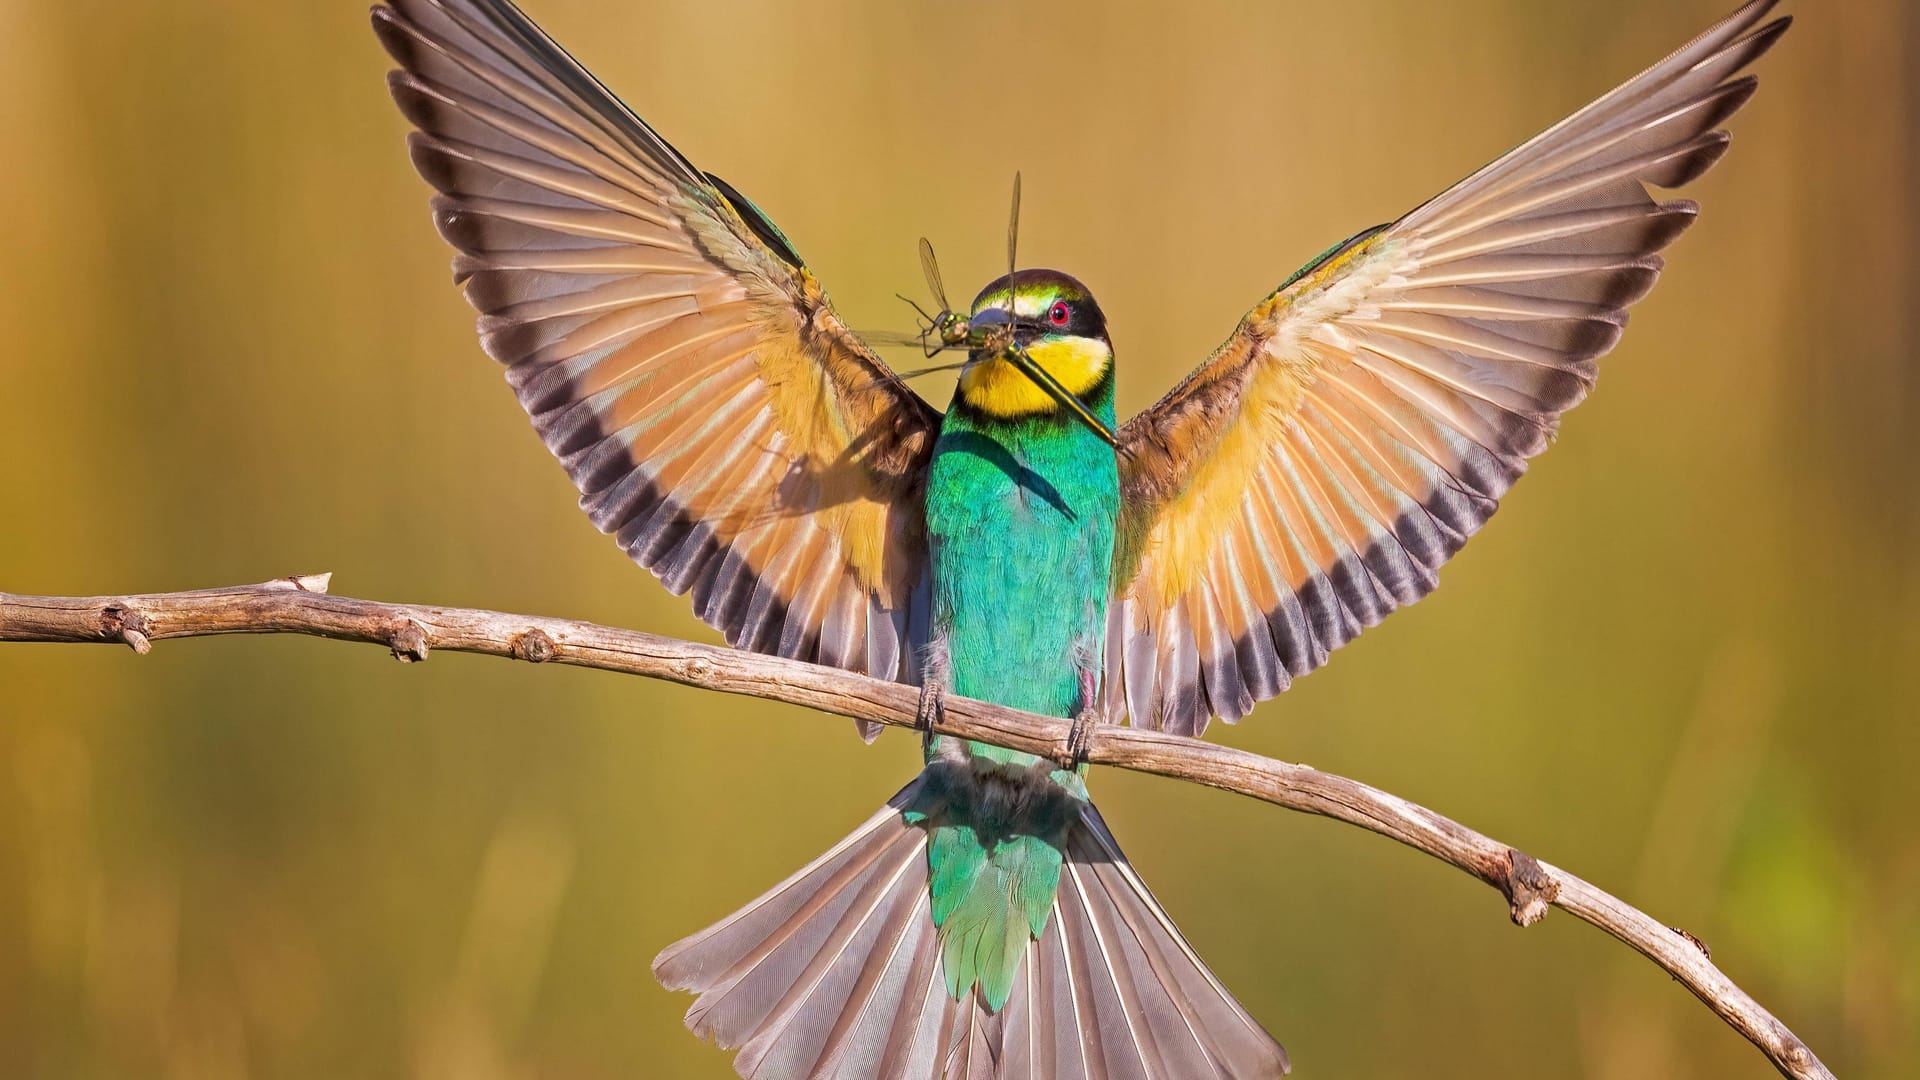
x: 677, y: 355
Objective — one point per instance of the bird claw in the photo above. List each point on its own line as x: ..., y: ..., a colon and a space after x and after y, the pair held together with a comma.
x: 931, y: 710
x: 1080, y: 739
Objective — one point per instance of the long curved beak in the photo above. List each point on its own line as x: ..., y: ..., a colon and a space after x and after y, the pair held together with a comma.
x: 994, y: 323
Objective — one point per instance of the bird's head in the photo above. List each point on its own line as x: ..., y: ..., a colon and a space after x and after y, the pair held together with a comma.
x: 1040, y: 346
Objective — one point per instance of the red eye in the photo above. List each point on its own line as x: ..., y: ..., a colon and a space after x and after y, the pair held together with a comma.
x: 1058, y: 313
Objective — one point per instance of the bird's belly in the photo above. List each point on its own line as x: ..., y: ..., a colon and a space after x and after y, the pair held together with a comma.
x: 1020, y: 585
x: 1022, y: 625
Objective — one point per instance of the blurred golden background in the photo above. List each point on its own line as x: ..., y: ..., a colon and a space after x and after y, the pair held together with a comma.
x: 1681, y: 663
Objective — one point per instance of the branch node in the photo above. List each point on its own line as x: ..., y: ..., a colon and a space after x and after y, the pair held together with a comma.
x: 696, y: 669
x: 1694, y: 941
x: 1529, y: 888
x: 408, y: 640
x: 533, y: 645
x: 126, y: 625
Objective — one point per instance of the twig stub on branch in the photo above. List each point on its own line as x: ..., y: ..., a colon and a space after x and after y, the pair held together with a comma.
x: 1530, y: 889
x: 533, y: 646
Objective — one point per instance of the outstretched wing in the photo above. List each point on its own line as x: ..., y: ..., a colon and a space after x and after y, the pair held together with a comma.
x: 670, y: 347
x: 1365, y: 419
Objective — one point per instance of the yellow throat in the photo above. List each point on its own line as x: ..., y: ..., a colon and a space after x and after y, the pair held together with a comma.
x: 997, y: 388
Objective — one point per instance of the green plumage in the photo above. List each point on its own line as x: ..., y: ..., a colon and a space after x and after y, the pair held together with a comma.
x: 1020, y: 515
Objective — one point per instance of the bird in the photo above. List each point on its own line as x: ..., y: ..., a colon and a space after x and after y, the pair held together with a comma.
x: 680, y: 359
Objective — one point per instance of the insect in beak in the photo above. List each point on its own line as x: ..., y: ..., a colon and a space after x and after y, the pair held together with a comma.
x: 947, y: 330
x: 990, y: 334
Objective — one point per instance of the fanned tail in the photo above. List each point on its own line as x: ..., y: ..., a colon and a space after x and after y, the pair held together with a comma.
x: 835, y: 973
x: 1139, y: 994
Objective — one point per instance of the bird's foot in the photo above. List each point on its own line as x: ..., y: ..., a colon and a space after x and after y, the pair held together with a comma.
x: 1080, y: 739
x: 932, y: 709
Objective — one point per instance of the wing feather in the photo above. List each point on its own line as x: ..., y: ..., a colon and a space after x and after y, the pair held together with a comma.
x: 669, y: 347
x: 1364, y: 420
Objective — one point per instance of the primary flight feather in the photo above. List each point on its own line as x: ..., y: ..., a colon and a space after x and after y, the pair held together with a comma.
x: 676, y: 354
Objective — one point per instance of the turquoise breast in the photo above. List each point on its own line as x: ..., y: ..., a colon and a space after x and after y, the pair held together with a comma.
x: 1020, y: 521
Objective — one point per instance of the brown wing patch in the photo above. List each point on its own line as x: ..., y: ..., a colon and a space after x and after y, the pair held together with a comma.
x: 1365, y: 420
x: 715, y: 415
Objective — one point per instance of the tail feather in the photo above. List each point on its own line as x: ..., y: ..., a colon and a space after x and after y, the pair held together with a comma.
x: 836, y: 973
x: 1101, y: 1022
x: 972, y: 1058
x: 1199, y: 1004
x: 799, y: 1037
x: 1190, y: 1026
x: 743, y: 966
x: 926, y: 1010
x: 1045, y: 1039
x: 889, y: 992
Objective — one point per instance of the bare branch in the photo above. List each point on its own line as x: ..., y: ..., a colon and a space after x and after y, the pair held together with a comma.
x: 301, y: 605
